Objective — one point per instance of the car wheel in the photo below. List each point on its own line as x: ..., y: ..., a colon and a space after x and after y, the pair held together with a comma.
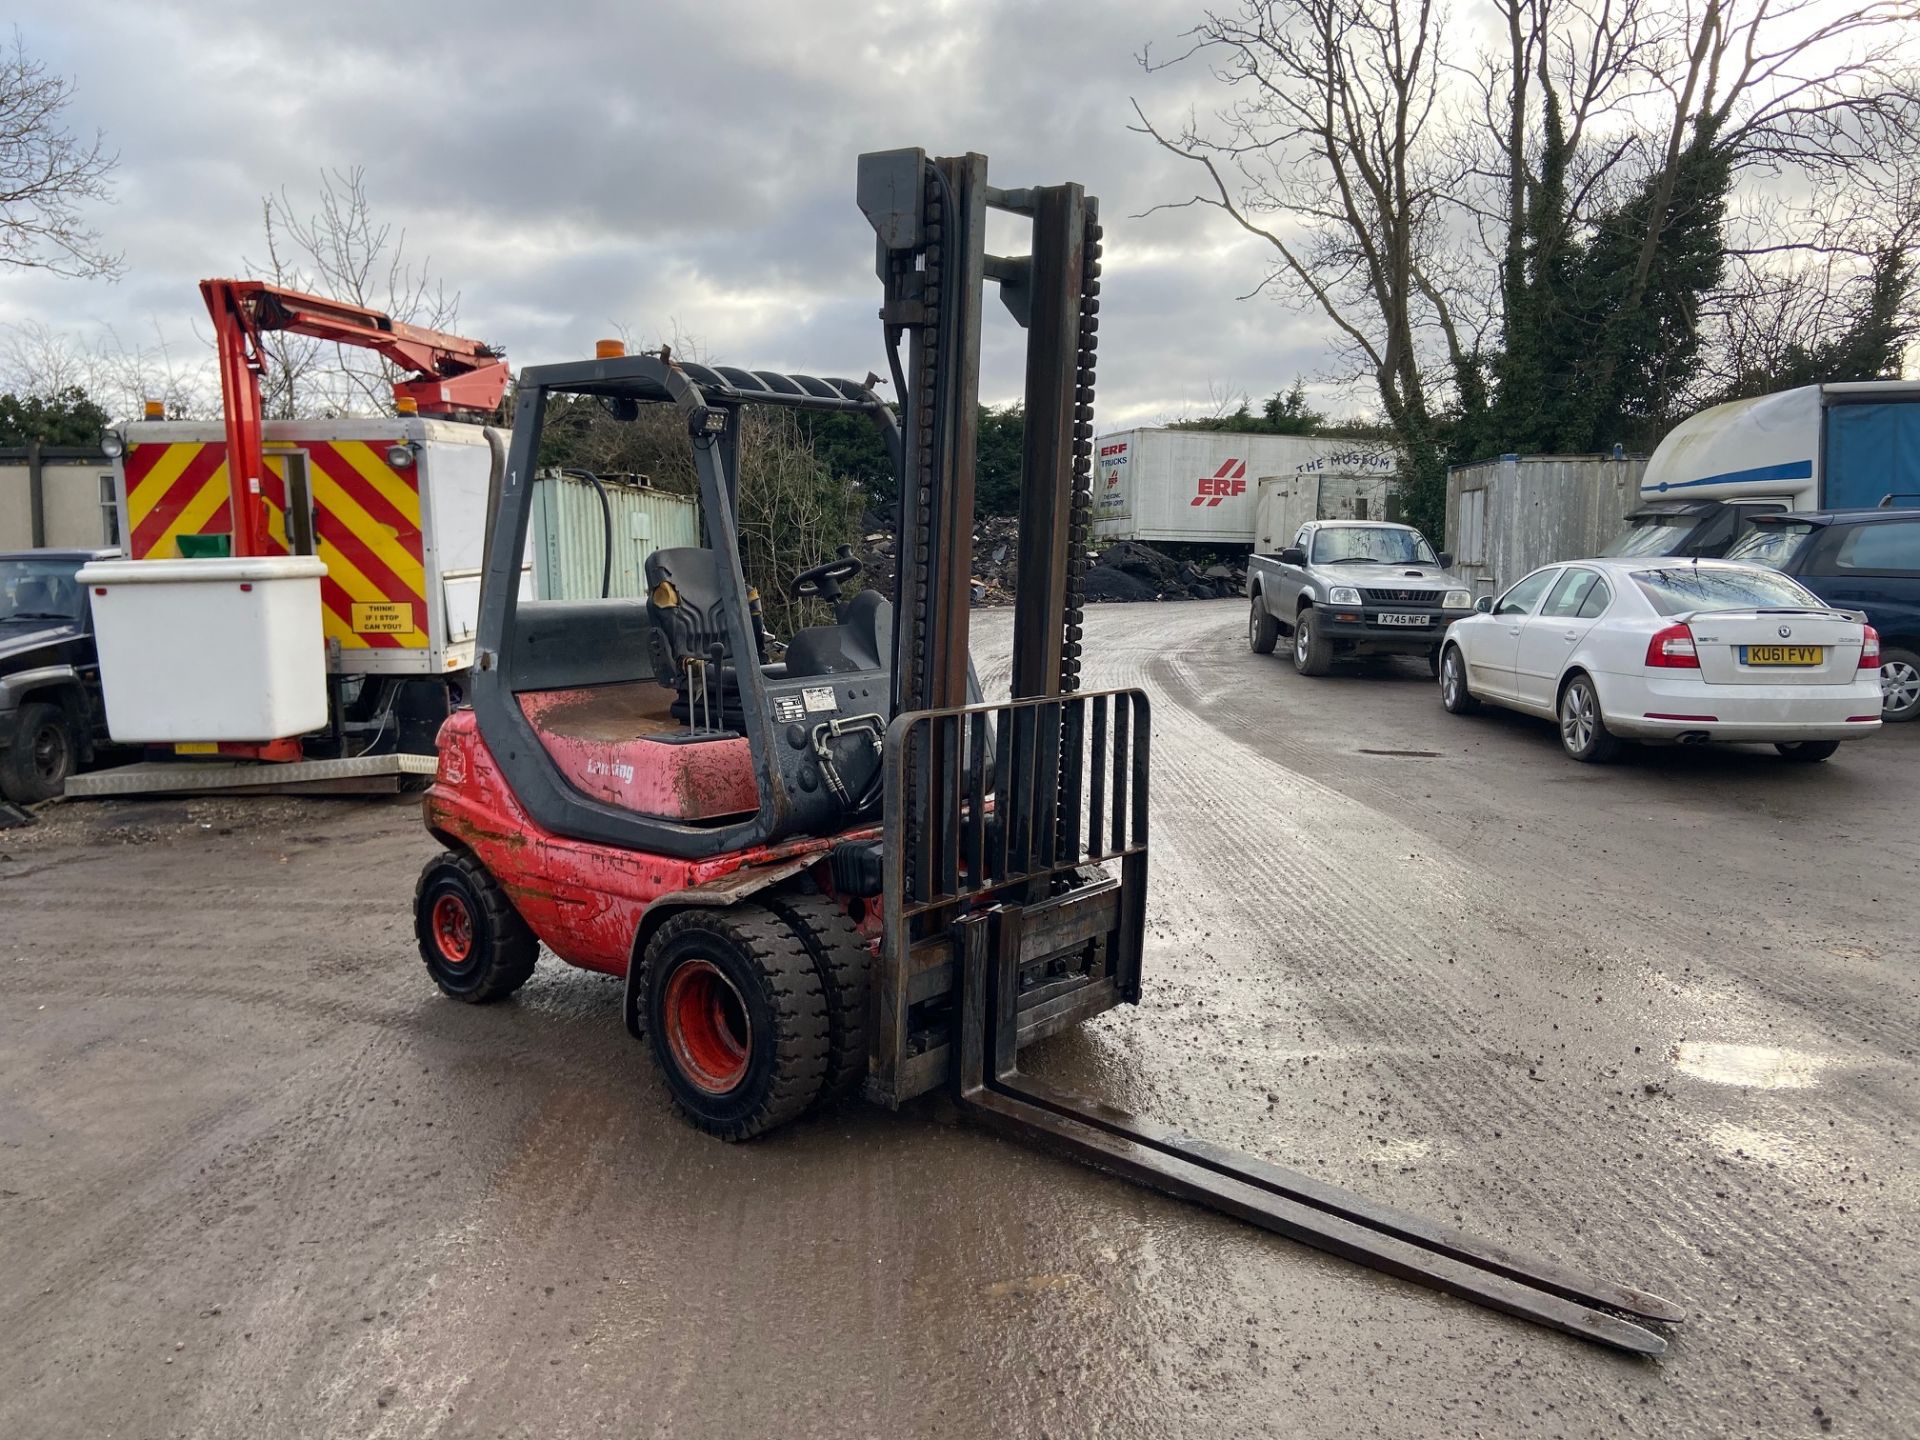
x: 1263, y: 631
x: 1583, y: 733
x: 1312, y: 651
x: 1809, y: 752
x: 1454, y: 693
x: 37, y: 764
x: 1899, y: 685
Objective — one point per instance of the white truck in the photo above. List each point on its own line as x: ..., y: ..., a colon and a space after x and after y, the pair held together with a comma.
x: 1219, y: 487
x: 1816, y: 447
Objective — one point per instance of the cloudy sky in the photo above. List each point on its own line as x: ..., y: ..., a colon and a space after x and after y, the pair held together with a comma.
x: 675, y: 169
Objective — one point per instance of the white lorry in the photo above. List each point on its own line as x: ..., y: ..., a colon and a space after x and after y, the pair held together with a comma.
x: 1220, y: 487
x: 1817, y: 447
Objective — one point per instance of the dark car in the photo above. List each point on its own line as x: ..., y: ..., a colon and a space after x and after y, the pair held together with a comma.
x: 1707, y: 529
x: 52, y: 718
x: 1866, y: 560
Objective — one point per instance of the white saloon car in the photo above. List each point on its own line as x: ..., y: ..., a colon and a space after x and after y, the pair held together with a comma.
x: 1668, y: 650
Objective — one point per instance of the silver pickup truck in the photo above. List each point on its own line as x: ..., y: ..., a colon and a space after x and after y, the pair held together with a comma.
x: 1353, y: 587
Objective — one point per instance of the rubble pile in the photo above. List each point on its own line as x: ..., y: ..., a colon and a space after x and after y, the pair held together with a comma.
x: 1130, y: 570
x: 1124, y: 571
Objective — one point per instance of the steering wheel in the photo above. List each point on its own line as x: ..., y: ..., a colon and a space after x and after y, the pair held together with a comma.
x: 823, y: 581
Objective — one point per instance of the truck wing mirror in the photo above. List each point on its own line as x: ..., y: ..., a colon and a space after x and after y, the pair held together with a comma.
x: 1293, y: 555
x: 1446, y: 559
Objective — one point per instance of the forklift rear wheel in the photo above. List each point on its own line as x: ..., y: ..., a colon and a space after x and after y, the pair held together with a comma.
x: 736, y: 1019
x: 843, y: 960
x: 476, y: 946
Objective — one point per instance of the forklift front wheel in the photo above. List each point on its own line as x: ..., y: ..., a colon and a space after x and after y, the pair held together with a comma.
x: 736, y: 1019
x: 476, y: 946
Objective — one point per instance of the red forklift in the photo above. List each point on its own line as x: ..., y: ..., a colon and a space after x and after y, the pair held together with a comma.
x: 826, y: 864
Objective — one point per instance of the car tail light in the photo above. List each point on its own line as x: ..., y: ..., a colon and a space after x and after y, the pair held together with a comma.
x: 1673, y: 649
x: 1869, y: 648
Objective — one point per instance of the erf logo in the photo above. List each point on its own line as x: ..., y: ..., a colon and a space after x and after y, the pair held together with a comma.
x: 1229, y: 479
x: 1108, y: 451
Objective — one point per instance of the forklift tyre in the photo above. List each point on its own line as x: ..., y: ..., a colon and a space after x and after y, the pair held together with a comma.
x: 736, y: 1019
x: 844, y: 962
x: 476, y: 946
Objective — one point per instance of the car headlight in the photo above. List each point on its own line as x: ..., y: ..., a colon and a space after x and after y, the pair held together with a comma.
x: 1343, y: 595
x: 1457, y: 600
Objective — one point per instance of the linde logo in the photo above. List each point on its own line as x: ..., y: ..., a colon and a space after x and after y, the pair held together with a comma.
x: 1229, y: 479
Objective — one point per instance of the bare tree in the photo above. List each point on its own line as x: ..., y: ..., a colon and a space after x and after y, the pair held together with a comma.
x: 1421, y: 199
x: 342, y: 251
x: 1328, y: 152
x: 37, y: 360
x: 48, y: 174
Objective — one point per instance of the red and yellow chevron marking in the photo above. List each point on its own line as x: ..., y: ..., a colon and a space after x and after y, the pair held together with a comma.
x: 366, y: 528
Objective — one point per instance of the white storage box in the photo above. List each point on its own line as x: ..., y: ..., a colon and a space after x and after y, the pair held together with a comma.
x: 210, y: 649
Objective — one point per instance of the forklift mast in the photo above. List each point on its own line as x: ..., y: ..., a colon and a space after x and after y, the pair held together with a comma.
x: 1015, y: 842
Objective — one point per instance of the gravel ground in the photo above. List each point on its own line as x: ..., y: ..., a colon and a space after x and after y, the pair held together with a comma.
x: 1657, y: 1021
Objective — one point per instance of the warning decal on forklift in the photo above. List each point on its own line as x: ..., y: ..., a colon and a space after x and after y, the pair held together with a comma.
x: 819, y: 697
x: 382, y: 617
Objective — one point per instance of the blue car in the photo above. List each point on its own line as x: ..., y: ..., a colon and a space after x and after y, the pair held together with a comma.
x: 1866, y: 560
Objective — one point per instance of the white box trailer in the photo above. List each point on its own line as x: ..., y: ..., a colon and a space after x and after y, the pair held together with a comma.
x: 1226, y: 488
x: 1831, y: 447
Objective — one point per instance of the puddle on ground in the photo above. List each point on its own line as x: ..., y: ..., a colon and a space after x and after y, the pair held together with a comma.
x: 1737, y: 1142
x: 1025, y: 1285
x: 1752, y: 1067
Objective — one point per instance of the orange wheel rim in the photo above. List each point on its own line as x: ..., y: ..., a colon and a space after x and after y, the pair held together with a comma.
x: 453, y: 929
x: 706, y: 1027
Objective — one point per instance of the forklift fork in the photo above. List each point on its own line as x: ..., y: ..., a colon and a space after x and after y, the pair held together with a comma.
x: 1032, y: 911
x: 987, y: 1083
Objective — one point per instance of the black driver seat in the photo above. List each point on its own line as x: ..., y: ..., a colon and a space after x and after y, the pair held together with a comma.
x: 686, y: 603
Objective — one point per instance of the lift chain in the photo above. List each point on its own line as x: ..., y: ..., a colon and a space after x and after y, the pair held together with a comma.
x: 916, y: 496
x: 917, y: 534
x: 1080, y: 516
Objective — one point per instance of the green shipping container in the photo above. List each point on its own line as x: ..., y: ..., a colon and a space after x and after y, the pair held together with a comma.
x: 570, y: 533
